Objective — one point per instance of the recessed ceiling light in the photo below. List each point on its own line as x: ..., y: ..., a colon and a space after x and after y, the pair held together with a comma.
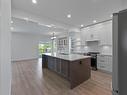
x: 94, y: 21
x: 69, y: 16
x: 12, y: 28
x: 44, y: 25
x: 111, y: 15
x: 48, y: 26
x: 40, y: 24
x: 88, y: 28
x: 26, y: 19
x: 12, y: 22
x: 52, y: 38
x: 82, y: 25
x: 52, y: 25
x: 34, y: 1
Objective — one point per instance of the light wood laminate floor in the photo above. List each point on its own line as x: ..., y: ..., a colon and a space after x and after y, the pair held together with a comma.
x: 28, y: 78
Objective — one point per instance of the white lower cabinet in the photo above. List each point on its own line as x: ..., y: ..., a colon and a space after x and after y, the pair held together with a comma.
x: 104, y: 62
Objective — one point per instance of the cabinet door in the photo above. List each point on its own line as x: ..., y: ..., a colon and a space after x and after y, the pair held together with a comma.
x: 102, y: 34
x: 109, y: 63
x: 44, y: 61
x: 83, y: 36
x: 89, y: 35
x: 80, y: 71
x: 58, y: 65
x: 64, y: 68
x: 95, y: 32
x: 101, y: 66
x: 104, y: 62
x: 109, y: 33
x: 101, y: 61
x: 51, y: 63
x: 106, y: 34
x: 92, y: 33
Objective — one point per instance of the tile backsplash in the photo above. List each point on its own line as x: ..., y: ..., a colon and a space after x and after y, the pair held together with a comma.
x: 106, y: 49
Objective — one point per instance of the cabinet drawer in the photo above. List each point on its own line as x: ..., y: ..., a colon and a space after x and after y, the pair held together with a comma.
x: 109, y: 60
x: 101, y: 66
x: 101, y: 56
x: 104, y: 59
x: 101, y: 61
x: 106, y: 67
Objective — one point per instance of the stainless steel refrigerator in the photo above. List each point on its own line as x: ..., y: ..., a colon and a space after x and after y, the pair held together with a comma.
x: 120, y: 53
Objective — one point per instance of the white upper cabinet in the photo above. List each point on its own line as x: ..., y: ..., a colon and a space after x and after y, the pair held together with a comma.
x: 106, y: 34
x: 92, y: 34
x: 84, y: 34
x: 101, y: 32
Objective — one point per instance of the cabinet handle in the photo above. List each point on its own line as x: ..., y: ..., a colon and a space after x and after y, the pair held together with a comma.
x: 80, y: 62
x: 102, y: 56
x: 102, y: 61
x: 92, y: 36
x: 102, y: 66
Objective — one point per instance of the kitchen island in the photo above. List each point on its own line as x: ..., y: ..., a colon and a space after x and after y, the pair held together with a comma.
x: 73, y: 67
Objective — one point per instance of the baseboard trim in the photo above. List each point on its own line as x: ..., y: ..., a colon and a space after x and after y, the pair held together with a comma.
x: 105, y: 71
x: 24, y: 60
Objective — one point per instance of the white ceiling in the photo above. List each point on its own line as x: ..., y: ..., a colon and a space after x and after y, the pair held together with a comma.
x: 55, y: 12
x: 23, y: 26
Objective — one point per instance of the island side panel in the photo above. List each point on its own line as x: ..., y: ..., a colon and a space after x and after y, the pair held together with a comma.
x: 79, y: 71
x: 60, y: 66
x: 44, y: 61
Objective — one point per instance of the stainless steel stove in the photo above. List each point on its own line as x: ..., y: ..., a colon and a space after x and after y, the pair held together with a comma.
x: 93, y: 59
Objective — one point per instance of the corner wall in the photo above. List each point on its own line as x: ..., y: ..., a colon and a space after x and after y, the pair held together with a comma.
x: 5, y: 47
x: 25, y: 46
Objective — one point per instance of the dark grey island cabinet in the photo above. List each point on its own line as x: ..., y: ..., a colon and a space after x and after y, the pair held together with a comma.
x: 74, y: 68
x: 58, y: 65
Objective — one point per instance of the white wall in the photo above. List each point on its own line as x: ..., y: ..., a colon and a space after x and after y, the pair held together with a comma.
x: 5, y: 47
x: 25, y: 46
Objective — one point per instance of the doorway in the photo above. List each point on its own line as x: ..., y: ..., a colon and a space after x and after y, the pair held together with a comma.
x: 44, y: 48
